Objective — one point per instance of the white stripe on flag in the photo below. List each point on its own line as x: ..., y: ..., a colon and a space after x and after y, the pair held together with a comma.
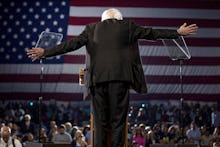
x: 74, y: 30
x: 74, y: 69
x: 162, y: 51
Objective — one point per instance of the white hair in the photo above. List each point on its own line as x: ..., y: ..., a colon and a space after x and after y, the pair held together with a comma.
x: 112, y: 13
x: 69, y: 124
x: 27, y: 116
x: 2, y: 129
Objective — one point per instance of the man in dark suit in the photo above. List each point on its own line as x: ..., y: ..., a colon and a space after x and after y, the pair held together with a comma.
x: 115, y: 66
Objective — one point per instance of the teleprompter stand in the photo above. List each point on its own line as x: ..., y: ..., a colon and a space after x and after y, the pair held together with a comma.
x: 46, y: 40
x: 178, y: 51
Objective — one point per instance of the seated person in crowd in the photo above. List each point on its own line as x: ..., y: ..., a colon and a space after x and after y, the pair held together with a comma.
x: 62, y: 136
x: 27, y: 126
x: 79, y: 140
x: 194, y: 134
x: 138, y: 137
x: 7, y: 140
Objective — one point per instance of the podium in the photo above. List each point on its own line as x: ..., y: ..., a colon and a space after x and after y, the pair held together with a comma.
x: 177, y: 48
x: 178, y: 51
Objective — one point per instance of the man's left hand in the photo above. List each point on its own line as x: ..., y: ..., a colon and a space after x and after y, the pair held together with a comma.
x: 187, y: 30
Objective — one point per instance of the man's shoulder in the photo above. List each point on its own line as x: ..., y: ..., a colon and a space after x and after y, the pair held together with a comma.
x: 92, y: 25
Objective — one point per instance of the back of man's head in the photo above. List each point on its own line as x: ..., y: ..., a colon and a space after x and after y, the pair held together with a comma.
x: 112, y: 13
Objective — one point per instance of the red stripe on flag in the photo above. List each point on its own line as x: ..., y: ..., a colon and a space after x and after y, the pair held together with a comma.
x: 76, y: 59
x: 161, y: 60
x: 74, y: 78
x: 154, y: 60
x: 209, y: 42
x: 186, y: 79
x: 35, y: 78
x: 197, y: 4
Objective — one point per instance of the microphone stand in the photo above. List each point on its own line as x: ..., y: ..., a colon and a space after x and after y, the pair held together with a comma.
x: 40, y: 100
x: 181, y: 99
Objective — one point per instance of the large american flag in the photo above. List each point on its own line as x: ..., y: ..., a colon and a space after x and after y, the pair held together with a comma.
x: 23, y: 21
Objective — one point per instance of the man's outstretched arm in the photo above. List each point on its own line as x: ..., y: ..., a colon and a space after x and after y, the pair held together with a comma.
x: 153, y: 34
x: 71, y: 45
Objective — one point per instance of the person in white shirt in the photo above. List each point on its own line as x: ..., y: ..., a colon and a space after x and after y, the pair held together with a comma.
x: 7, y: 140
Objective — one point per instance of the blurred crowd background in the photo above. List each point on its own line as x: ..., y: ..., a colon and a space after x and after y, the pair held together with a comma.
x: 149, y: 122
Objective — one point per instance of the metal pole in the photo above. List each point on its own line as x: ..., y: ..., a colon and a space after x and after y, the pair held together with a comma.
x: 40, y: 100
x: 181, y: 100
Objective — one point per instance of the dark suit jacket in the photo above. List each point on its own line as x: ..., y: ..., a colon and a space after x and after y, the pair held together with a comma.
x: 25, y: 129
x: 113, y: 51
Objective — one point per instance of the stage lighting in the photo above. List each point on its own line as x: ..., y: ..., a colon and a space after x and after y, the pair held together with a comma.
x: 31, y: 103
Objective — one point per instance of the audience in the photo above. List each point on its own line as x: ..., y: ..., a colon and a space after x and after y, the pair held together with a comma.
x: 206, y: 139
x: 62, y: 136
x: 87, y: 133
x: 27, y: 126
x: 139, y: 137
x: 79, y: 140
x: 42, y: 136
x: 148, y: 123
x: 150, y: 138
x: 68, y: 126
x: 53, y: 131
x: 7, y: 140
x: 216, y: 136
x: 194, y: 134
x: 173, y: 134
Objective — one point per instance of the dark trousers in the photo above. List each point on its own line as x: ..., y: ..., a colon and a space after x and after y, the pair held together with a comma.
x: 110, y: 105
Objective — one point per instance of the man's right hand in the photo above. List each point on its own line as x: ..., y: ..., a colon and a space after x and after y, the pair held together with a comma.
x: 35, y: 53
